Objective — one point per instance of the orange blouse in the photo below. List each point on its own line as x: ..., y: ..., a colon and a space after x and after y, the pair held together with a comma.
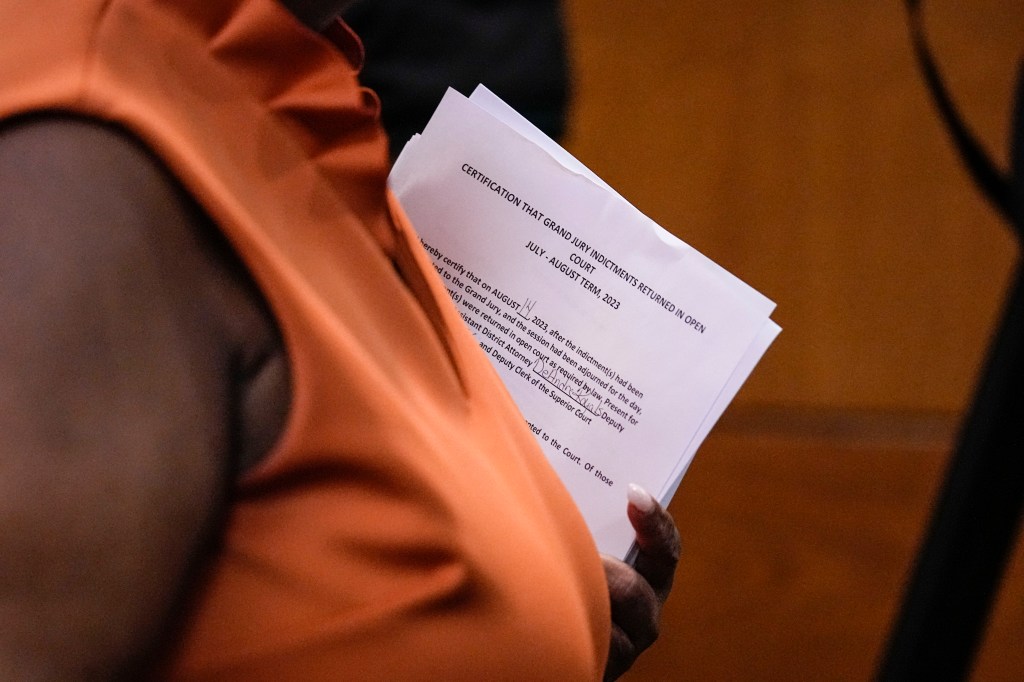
x: 406, y: 526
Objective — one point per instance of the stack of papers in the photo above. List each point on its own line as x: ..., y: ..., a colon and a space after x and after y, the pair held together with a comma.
x: 621, y: 344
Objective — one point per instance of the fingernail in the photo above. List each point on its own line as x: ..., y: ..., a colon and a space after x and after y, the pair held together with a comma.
x: 640, y: 498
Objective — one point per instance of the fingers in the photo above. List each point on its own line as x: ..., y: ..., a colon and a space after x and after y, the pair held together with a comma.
x: 657, y: 539
x: 638, y: 592
x: 621, y: 655
x: 635, y: 613
x: 635, y: 606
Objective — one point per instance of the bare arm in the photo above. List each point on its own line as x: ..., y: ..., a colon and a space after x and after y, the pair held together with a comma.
x: 116, y: 378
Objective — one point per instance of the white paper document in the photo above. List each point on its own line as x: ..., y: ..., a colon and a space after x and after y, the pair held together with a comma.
x: 621, y: 344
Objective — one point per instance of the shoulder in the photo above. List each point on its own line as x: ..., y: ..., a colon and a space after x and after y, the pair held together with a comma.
x: 97, y: 247
x: 80, y: 162
x: 111, y: 268
x: 85, y: 198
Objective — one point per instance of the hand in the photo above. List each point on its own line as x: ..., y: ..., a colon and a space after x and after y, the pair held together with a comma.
x: 639, y: 592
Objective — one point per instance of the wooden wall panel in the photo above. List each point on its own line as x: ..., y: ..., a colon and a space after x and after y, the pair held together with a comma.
x: 793, y: 141
x: 797, y: 543
x: 795, y: 550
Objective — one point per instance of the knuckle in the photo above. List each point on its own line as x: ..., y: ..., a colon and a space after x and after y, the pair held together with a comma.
x: 622, y: 645
x: 675, y: 547
x: 653, y: 633
x: 637, y: 593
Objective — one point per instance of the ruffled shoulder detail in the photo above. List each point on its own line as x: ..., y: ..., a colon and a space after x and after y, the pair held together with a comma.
x: 288, y: 66
x: 308, y: 81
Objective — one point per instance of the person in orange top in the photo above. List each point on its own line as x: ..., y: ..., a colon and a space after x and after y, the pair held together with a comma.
x: 245, y: 433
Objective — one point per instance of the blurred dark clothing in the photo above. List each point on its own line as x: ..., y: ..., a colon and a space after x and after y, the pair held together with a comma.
x: 415, y: 49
